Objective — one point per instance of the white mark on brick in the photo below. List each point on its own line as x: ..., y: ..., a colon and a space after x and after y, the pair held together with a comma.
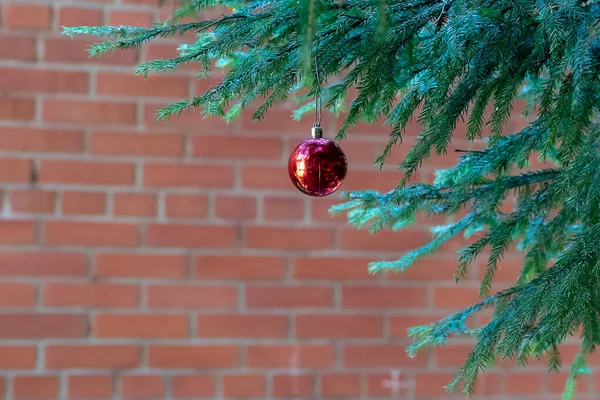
x: 295, y: 370
x: 396, y: 384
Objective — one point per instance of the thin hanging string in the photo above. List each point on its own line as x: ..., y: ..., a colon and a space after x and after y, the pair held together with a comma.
x: 318, y: 105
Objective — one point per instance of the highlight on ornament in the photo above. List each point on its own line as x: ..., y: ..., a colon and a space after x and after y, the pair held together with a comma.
x: 317, y: 166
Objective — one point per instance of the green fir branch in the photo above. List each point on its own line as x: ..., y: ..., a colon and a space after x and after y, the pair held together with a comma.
x: 452, y: 67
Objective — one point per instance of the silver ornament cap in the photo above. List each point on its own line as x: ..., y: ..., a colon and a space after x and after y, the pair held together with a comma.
x: 316, y: 132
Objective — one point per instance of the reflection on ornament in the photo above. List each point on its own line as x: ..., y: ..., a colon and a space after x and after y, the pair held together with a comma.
x: 300, y: 168
x: 317, y: 166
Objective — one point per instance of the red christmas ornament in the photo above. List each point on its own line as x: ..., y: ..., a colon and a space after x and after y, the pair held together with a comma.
x: 317, y: 166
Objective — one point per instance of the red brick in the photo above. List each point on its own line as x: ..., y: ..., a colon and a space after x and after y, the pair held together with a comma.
x: 39, y: 326
x: 235, y: 207
x: 235, y: 147
x: 17, y: 109
x: 142, y: 387
x: 143, y: 2
x: 383, y: 297
x: 32, y: 201
x: 102, y: 295
x: 42, y: 264
x: 14, y: 294
x: 372, y: 128
x: 18, y: 357
x: 41, y: 140
x: 243, y: 386
x: 130, y: 18
x: 451, y: 355
x: 455, y: 297
x: 373, y: 356
x: 187, y: 175
x: 263, y: 177
x: 17, y: 232
x: 3, y: 385
x: 36, y: 387
x: 191, y: 236
x: 332, y: 268
x: 140, y: 265
x: 140, y: 326
x: 283, y: 208
x: 523, y: 383
x: 340, y: 385
x: 432, y: 384
x: 89, y: 233
x: 188, y: 296
x: 78, y: 16
x: 293, y: 386
x: 92, y: 356
x: 192, y: 386
x: 190, y: 356
x: 490, y: 383
x: 381, y: 181
x: 556, y: 383
x: 127, y: 84
x: 320, y: 211
x: 134, y: 204
x: 186, y: 206
x: 30, y: 80
x: 357, y: 240
x: 210, y: 13
x: 277, y: 122
x: 264, y: 237
x: 239, y: 267
x: 137, y: 144
x: 338, y: 326
x: 74, y: 51
x: 242, y: 326
x: 26, y: 16
x: 90, y: 387
x: 15, y: 170
x: 13, y: 47
x: 83, y: 203
x: 280, y: 356
x: 89, y: 112
x: 86, y: 172
x: 400, y: 324
x: 289, y: 296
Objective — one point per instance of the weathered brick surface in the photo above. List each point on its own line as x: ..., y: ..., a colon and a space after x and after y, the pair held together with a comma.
x: 177, y: 261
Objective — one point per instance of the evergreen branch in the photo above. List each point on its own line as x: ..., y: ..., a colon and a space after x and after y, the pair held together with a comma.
x: 578, y: 368
x: 441, y: 64
x: 442, y: 235
x: 438, y: 332
x: 131, y: 37
x: 527, y: 321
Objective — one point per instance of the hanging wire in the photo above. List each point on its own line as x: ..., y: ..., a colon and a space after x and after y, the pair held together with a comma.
x: 318, y: 103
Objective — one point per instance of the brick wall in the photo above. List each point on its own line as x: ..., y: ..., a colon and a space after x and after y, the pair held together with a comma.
x: 143, y: 260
